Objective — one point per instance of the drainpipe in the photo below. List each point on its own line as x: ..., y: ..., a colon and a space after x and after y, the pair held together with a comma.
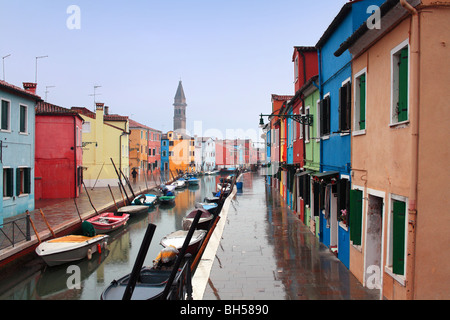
x: 414, y: 122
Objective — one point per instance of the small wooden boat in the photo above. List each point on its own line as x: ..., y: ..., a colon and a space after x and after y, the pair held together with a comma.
x: 179, y: 184
x: 146, y: 200
x: 108, y: 221
x: 203, y: 223
x: 167, y: 199
x: 193, y: 181
x: 212, y: 199
x: 71, y: 248
x: 177, y: 238
x: 133, y: 209
x: 167, y: 188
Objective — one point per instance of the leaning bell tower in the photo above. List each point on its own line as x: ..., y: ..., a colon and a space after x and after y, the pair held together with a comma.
x: 179, y: 117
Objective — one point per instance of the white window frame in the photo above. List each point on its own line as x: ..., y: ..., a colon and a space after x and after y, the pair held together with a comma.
x: 9, y: 115
x: 296, y: 69
x: 394, y: 81
x: 356, y: 105
x: 26, y: 119
x: 389, y: 254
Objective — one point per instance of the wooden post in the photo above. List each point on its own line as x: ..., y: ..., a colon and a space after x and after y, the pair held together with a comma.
x: 34, y: 228
x: 46, y: 222
x: 89, y: 197
x: 112, y: 195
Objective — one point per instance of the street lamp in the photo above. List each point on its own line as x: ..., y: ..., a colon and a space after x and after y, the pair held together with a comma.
x: 303, y: 119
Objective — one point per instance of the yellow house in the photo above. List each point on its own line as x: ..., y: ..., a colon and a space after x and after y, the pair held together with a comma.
x: 105, y: 137
x: 181, y: 152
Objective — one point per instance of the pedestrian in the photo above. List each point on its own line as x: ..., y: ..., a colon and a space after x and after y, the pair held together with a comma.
x: 134, y: 174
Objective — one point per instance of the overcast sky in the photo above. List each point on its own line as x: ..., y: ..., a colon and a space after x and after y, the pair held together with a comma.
x: 231, y: 55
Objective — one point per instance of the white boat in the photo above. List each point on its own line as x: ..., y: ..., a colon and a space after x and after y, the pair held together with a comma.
x: 177, y: 239
x: 145, y: 199
x: 70, y: 248
x: 169, y: 187
x: 133, y: 209
x: 181, y: 183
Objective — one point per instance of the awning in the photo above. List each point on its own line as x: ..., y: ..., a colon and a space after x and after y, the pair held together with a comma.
x: 304, y: 173
x: 325, y: 175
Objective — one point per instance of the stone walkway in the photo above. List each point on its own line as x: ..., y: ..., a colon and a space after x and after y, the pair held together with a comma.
x: 266, y: 253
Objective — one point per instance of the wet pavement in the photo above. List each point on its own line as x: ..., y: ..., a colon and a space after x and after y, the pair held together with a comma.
x: 266, y: 253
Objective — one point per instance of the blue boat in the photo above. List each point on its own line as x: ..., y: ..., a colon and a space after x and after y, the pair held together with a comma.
x: 193, y: 181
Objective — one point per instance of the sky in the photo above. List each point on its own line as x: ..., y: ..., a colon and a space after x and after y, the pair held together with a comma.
x: 230, y: 55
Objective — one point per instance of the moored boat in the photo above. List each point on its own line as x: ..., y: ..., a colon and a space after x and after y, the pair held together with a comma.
x: 145, y: 199
x: 203, y: 223
x: 193, y: 181
x: 176, y: 239
x: 133, y: 209
x: 167, y: 199
x: 70, y: 248
x: 108, y: 221
x: 179, y: 184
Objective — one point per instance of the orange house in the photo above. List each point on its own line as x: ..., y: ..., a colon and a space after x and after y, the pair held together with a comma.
x: 399, y: 221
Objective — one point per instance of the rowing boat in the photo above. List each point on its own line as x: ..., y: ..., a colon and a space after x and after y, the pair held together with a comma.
x: 108, y: 221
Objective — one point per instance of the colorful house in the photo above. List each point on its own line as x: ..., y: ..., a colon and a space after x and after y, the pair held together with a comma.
x: 58, y: 152
x: 181, y: 152
x: 105, y: 137
x: 154, y: 149
x: 17, y: 134
x: 335, y: 109
x: 165, y: 153
x: 399, y: 213
x: 139, y: 135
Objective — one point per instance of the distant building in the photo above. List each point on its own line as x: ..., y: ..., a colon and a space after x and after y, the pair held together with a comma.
x: 105, y: 137
x: 179, y: 117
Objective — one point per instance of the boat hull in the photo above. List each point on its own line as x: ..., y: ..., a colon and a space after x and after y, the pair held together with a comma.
x: 107, y: 222
x: 70, y: 249
x: 134, y: 209
x: 177, y: 239
x: 145, y: 200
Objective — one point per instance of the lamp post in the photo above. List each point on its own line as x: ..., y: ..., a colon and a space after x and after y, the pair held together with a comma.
x: 303, y: 119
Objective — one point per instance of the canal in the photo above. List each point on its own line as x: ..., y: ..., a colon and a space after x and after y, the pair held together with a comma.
x: 33, y: 280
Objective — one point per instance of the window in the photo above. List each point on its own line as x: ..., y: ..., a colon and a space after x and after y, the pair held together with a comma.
x: 345, y: 94
x: 360, y: 101
x: 86, y: 127
x: 296, y: 69
x: 23, y: 121
x: 8, y: 182
x: 325, y: 115
x: 6, y: 115
x: 397, y: 235
x: 23, y: 181
x: 356, y: 211
x: 164, y: 153
x: 400, y: 83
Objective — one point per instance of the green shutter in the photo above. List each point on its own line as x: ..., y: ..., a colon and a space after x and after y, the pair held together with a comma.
x: 356, y: 197
x: 27, y: 186
x: 398, y: 250
x: 23, y: 116
x: 403, y: 86
x: 5, y: 115
x: 362, y: 102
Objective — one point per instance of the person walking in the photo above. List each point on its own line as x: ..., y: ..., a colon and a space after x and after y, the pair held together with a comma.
x: 134, y: 174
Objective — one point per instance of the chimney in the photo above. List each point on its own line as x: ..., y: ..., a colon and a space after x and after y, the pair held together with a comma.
x: 30, y: 87
x: 106, y: 110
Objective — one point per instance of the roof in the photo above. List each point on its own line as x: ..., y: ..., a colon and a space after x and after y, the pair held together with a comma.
x: 17, y: 90
x: 45, y: 108
x: 276, y: 97
x: 109, y: 117
x: 303, y: 89
x: 180, y: 98
x: 346, y: 8
x: 135, y: 124
x: 385, y: 8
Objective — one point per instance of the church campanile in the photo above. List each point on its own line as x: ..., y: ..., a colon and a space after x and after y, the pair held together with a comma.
x: 179, y: 117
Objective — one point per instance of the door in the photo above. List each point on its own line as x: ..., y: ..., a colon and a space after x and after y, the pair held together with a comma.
x: 374, y: 242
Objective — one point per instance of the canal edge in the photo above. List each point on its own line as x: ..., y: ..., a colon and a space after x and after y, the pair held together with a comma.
x: 201, y: 277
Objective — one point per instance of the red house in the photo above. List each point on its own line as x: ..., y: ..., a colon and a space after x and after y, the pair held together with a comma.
x: 305, y: 66
x: 58, y: 152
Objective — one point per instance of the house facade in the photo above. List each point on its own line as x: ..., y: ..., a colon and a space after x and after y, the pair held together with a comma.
x: 154, y: 149
x: 17, y: 148
x: 335, y: 75
x: 105, y: 137
x: 139, y: 150
x: 58, y: 152
x: 398, y: 221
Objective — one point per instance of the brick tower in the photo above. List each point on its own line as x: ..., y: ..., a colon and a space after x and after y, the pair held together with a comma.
x: 179, y: 118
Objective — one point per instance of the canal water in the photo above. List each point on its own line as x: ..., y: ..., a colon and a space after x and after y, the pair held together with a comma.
x: 33, y: 280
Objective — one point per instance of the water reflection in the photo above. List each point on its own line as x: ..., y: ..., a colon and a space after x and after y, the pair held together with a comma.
x: 35, y: 281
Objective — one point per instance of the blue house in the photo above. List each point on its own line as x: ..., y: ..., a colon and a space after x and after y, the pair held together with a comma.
x: 165, y: 154
x: 17, y: 134
x: 335, y: 125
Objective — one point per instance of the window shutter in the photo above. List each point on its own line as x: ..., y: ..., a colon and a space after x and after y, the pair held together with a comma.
x: 23, y: 117
x: 398, y: 248
x: 341, y: 109
x: 322, y: 117
x: 355, y: 216
x: 348, y: 106
x: 316, y: 187
x: 403, y: 86
x: 27, y: 186
x: 362, y: 102
x: 18, y: 182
